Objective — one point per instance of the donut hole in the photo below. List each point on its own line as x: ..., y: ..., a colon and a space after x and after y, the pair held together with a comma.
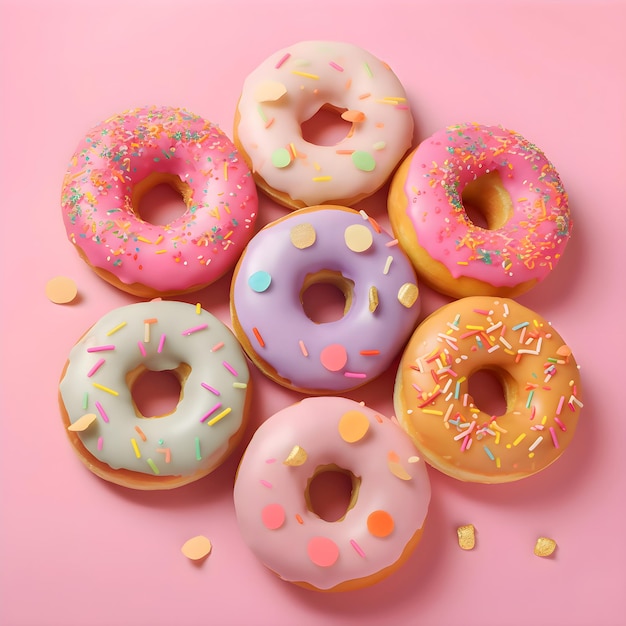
x: 326, y: 296
x: 331, y: 492
x: 160, y: 198
x: 156, y: 393
x: 490, y: 390
x: 486, y: 202
x: 326, y: 127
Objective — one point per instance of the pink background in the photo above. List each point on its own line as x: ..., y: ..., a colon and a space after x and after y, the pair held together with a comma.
x: 77, y: 550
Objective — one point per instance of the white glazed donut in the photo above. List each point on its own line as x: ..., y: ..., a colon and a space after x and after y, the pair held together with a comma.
x: 288, y: 89
x: 389, y: 500
x: 105, y: 427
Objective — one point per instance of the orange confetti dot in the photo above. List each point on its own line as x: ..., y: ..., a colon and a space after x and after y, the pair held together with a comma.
x: 380, y: 523
x: 197, y: 548
x: 353, y: 426
x: 61, y: 290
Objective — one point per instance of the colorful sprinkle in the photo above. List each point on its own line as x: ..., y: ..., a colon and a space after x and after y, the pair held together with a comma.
x: 95, y: 368
x: 220, y: 416
x: 302, y: 236
x: 195, y: 329
x: 260, y: 281
x: 83, y: 423
x: 380, y: 524
x: 334, y: 357
x: 358, y: 238
x: 273, y: 516
x: 363, y: 161
x: 322, y: 551
x: 353, y: 426
x: 281, y: 158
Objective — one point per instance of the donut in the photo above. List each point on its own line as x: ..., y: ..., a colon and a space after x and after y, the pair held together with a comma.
x: 290, y: 88
x: 508, y: 182
x: 127, y: 155
x: 323, y: 244
x: 390, y: 495
x: 535, y: 367
x: 105, y: 427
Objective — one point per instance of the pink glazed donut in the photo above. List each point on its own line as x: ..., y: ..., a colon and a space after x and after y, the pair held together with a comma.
x: 127, y: 155
x: 500, y: 175
x: 333, y: 245
x: 389, y: 501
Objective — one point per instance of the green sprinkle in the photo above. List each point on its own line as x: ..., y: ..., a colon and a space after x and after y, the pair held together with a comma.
x: 85, y: 399
x: 153, y: 466
x: 198, y: 455
x: 530, y: 398
x: 363, y: 160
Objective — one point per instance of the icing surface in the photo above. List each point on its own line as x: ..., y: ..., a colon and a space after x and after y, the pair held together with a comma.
x: 540, y: 379
x: 533, y: 238
x: 158, y: 335
x: 290, y: 87
x: 337, y: 355
x: 270, y: 502
x: 193, y: 250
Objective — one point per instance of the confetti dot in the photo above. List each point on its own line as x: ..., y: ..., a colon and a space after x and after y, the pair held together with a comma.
x: 353, y: 426
x: 334, y: 357
x: 351, y: 115
x: 363, y: 160
x: 281, y: 157
x: 82, y: 423
x: 466, y: 536
x: 259, y: 281
x: 398, y: 471
x: 545, y: 546
x: 302, y: 236
x: 358, y: 237
x: 61, y: 290
x: 373, y: 299
x: 407, y: 295
x: 380, y: 523
x: 269, y: 91
x: 322, y: 551
x: 296, y: 457
x: 273, y: 516
x: 197, y: 548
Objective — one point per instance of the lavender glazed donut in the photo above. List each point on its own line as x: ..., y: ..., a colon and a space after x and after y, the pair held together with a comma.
x: 323, y: 244
x: 389, y: 501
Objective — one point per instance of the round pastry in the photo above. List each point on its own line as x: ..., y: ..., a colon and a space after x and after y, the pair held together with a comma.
x: 535, y: 367
x: 290, y: 88
x: 126, y: 156
x: 390, y: 494
x: 333, y: 245
x: 104, y: 424
x: 508, y: 183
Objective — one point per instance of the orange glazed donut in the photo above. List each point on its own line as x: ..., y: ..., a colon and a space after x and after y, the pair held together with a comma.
x: 124, y: 157
x: 536, y: 369
x: 388, y: 505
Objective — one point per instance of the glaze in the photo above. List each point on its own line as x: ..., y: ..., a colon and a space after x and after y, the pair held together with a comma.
x: 388, y: 508
x: 320, y: 244
x: 524, y: 241
x: 539, y: 376
x: 157, y: 336
x: 289, y: 88
x: 118, y: 161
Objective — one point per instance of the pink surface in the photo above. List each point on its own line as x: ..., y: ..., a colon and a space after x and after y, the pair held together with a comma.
x: 76, y: 550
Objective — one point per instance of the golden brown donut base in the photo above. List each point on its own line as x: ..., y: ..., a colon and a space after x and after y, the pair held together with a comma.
x: 485, y: 192
x: 284, y: 198
x: 138, y: 480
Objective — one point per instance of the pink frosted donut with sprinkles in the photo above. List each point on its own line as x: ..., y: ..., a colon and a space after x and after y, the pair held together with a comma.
x: 290, y: 88
x: 127, y: 155
x: 521, y: 220
x: 104, y: 424
x: 538, y: 374
x: 337, y: 246
x: 387, y: 509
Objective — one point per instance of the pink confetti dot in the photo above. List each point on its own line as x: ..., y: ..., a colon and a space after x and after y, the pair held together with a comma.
x: 334, y: 357
x: 322, y: 551
x: 273, y: 516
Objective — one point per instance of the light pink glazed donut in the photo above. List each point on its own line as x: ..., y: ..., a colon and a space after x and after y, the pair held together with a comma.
x: 289, y: 88
x: 502, y: 176
x: 324, y: 244
x: 389, y: 500
x: 128, y: 154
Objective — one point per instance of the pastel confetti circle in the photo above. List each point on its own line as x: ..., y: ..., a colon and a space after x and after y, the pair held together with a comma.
x: 407, y: 295
x: 353, y: 426
x: 259, y: 281
x: 303, y: 236
x: 380, y: 524
x: 322, y: 551
x: 270, y: 91
x: 363, y: 160
x: 273, y: 516
x: 281, y: 158
x: 61, y: 290
x: 334, y: 357
x: 358, y: 237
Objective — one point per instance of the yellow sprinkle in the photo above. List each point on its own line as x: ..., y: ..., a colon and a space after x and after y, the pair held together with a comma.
x: 432, y: 411
x: 111, y: 391
x: 293, y: 151
x: 317, y: 166
x: 318, y: 179
x: 159, y: 239
x: 219, y: 416
x: 114, y: 330
x: 462, y: 263
x: 544, y: 419
x: 497, y: 437
x: 305, y: 74
x: 198, y: 308
x: 143, y: 239
x: 240, y: 385
x: 519, y: 439
x: 225, y: 170
x: 136, y: 448
x: 160, y: 251
x: 498, y: 464
x: 470, y: 327
x: 466, y: 536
